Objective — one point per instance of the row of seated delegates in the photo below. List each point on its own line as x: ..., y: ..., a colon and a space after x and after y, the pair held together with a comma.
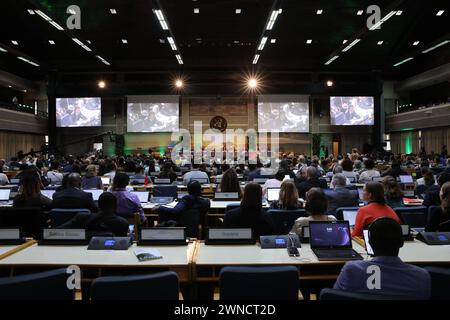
x: 250, y: 213
x: 395, y: 171
x: 53, y: 175
x: 432, y: 197
x: 29, y: 195
x: 167, y: 172
x: 3, y: 178
x: 316, y: 207
x: 127, y: 203
x: 230, y: 183
x: 106, y: 220
x: 195, y: 173
x: 427, y: 178
x: 439, y: 218
x: 397, y: 278
x: 373, y: 194
x: 288, y: 197
x: 191, y: 202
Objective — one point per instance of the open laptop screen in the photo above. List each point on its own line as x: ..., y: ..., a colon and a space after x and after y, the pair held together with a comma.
x: 48, y: 193
x: 273, y: 194
x: 95, y: 193
x: 106, y: 180
x: 142, y: 195
x: 406, y: 179
x: 4, y: 194
x: 335, y: 235
x: 350, y: 216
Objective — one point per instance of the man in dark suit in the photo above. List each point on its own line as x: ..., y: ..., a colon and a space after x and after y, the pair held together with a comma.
x: 312, y: 181
x: 72, y: 197
x: 432, y: 197
x: 341, y: 197
x: 105, y: 221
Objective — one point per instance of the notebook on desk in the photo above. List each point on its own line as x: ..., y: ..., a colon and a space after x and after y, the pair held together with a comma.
x: 331, y: 241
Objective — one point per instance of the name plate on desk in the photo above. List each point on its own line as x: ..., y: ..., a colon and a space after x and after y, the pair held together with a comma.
x: 230, y: 236
x: 64, y: 234
x: 226, y: 196
x: 10, y: 236
x: 168, y: 236
x: 162, y: 181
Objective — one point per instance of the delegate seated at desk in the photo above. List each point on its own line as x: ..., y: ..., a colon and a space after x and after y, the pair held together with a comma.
x: 106, y: 220
x: 193, y: 201
x: 439, y: 219
x: 288, y: 197
x: 340, y: 197
x: 396, y: 277
x: 230, y: 183
x: 71, y: 197
x: 30, y: 194
x: 312, y: 181
x: 195, y: 173
x: 127, y: 203
x: 250, y: 214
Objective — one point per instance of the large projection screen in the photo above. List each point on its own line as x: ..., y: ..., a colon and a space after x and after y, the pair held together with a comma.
x: 78, y: 112
x: 283, y: 113
x: 153, y: 113
x: 352, y: 111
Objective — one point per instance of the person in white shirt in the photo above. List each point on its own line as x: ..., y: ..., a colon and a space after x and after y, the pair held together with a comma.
x: 195, y: 173
x: 274, y: 183
x: 54, y: 176
x: 3, y: 178
x: 370, y: 172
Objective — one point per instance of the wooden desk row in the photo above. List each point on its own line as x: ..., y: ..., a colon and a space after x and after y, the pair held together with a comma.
x: 194, y: 263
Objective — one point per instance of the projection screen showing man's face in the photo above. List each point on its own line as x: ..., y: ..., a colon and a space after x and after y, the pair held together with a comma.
x: 78, y: 112
x: 352, y: 111
x: 283, y: 117
x: 152, y: 117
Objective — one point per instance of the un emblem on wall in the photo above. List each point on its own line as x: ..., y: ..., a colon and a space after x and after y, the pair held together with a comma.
x: 219, y: 123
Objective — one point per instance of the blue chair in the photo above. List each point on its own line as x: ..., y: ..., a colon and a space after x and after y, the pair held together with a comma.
x: 158, y: 286
x: 259, y: 283
x: 49, y: 285
x: 61, y: 216
x: 440, y: 283
x: 332, y: 294
x: 415, y: 217
x: 165, y: 191
x: 285, y: 219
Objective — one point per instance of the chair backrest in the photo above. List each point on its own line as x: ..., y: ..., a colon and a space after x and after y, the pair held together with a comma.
x: 332, y: 294
x: 285, y: 219
x: 432, y: 213
x: 158, y: 286
x: 30, y: 221
x: 191, y: 220
x: 165, y: 191
x: 232, y: 207
x: 415, y: 217
x: 440, y: 283
x: 61, y: 216
x: 259, y: 283
x: 48, y: 285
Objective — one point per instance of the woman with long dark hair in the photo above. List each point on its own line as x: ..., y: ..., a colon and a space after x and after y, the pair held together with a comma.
x: 30, y: 193
x: 230, y: 183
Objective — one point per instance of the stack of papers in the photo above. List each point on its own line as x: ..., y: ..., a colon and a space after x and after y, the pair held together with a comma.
x: 147, y: 254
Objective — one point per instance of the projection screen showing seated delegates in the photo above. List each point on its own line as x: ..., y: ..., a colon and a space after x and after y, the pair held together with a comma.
x: 352, y: 111
x: 283, y: 113
x: 152, y: 113
x: 78, y: 112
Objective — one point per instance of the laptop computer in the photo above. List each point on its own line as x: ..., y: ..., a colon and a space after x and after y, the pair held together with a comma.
x: 161, y: 200
x: 48, y: 193
x: 14, y: 181
x: 4, y: 195
x: 273, y: 194
x: 95, y: 193
x: 350, y: 216
x: 406, y: 179
x: 226, y: 196
x: 142, y: 195
x: 331, y: 241
x: 106, y: 180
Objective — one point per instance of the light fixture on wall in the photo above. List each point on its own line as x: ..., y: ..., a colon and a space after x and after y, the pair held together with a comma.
x: 101, y: 84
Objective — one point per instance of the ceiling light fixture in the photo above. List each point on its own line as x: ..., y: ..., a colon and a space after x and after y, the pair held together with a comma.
x: 101, y: 84
x: 273, y: 40
x: 124, y: 41
x: 319, y: 12
x: 255, y: 60
x: 180, y: 61
x: 272, y: 19
x: 172, y: 43
x: 360, y: 12
x: 432, y: 48
x: 379, y: 23
x: 330, y: 83
x: 28, y: 61
x: 380, y: 42
x: 252, y: 83
x: 309, y: 41
x: 416, y: 43
x: 49, y: 20
x: 262, y: 43
x: 113, y: 11
x: 161, y: 19
x: 403, y: 61
x: 103, y: 60
x: 3, y: 50
x: 196, y: 10
x: 14, y: 42
x: 238, y: 11
x: 31, y: 12
x: 331, y: 60
x: 440, y: 13
x: 179, y: 83
x: 354, y: 42
x: 81, y: 44
x: 51, y: 42
x: 399, y: 13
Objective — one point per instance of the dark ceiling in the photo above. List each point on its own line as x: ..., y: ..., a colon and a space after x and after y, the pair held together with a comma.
x: 219, y: 41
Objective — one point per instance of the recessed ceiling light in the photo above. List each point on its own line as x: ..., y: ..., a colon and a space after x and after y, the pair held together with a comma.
x: 101, y: 84
x: 344, y: 42
x: 320, y: 11
x: 162, y: 41
x: 416, y: 43
x: 89, y: 41
x: 51, y: 41
x: 24, y: 91
x: 10, y: 86
x: 3, y: 50
x: 380, y: 42
x: 124, y: 41
x: 273, y: 40
x: 113, y: 11
x: 31, y: 11
x: 238, y: 11
x: 440, y: 13
x: 330, y: 83
x: 360, y: 12
x: 14, y: 42
x: 399, y: 13
x: 196, y: 10
x: 309, y: 41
